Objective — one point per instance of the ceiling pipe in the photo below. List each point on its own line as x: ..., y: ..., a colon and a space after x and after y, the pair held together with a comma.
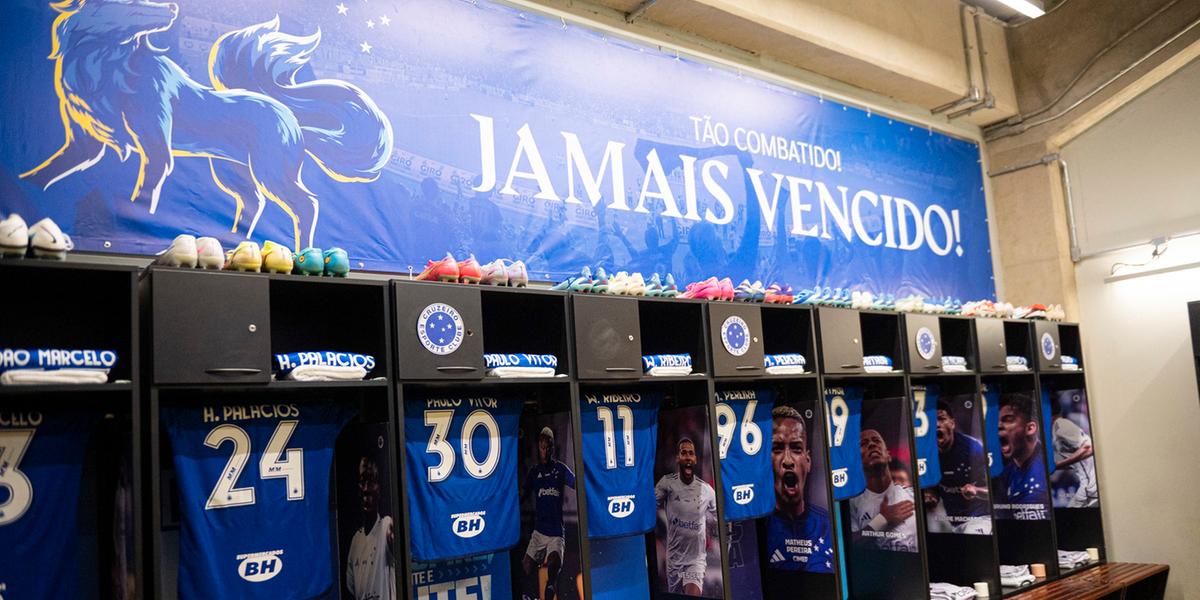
x: 972, y: 91
x: 988, y: 100
x: 639, y: 10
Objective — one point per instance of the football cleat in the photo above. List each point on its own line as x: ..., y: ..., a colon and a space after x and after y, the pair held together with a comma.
x: 337, y: 262
x: 726, y: 289
x: 619, y: 284
x: 310, y: 261
x: 246, y: 257
x: 778, y: 294
x: 600, y: 282
x: 709, y: 289
x: 48, y: 241
x: 14, y: 236
x: 209, y: 253
x: 518, y: 275
x: 637, y: 285
x: 669, y: 289
x: 276, y: 258
x: 469, y: 271
x: 440, y: 270
x: 654, y: 287
x: 493, y: 273
x: 181, y: 253
x: 576, y: 283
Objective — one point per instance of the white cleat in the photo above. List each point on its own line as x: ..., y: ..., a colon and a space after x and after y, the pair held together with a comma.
x: 181, y: 253
x: 48, y: 241
x: 209, y: 253
x: 14, y: 236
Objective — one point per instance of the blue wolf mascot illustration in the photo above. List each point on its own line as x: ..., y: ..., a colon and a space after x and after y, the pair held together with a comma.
x: 254, y: 124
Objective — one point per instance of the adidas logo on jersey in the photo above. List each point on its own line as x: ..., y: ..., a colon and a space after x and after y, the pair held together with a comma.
x: 260, y: 566
x: 620, y: 506
x: 743, y: 494
x: 468, y: 525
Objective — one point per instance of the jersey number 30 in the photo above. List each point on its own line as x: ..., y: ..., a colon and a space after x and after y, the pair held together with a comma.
x: 277, y: 462
x: 440, y: 421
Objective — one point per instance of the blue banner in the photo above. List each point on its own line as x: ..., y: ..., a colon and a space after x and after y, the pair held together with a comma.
x: 405, y: 130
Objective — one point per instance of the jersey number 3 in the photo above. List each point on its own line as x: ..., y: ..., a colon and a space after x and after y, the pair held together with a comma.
x: 278, y: 462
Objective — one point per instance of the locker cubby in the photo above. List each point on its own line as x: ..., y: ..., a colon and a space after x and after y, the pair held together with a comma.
x: 459, y: 356
x: 1047, y: 348
x: 1077, y: 522
x: 990, y: 345
x: 877, y: 573
x: 673, y: 327
x: 1018, y: 341
x: 371, y: 403
x: 330, y: 314
x: 526, y: 321
x: 1071, y: 344
x: 736, y: 337
x: 958, y: 340
x: 955, y: 556
x: 881, y: 336
x: 922, y: 344
x: 839, y: 334
x: 1021, y: 541
x: 607, y: 337
x: 71, y: 305
x: 787, y: 329
x: 753, y: 545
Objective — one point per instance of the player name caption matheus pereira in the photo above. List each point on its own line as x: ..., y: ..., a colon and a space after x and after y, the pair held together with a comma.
x: 821, y: 208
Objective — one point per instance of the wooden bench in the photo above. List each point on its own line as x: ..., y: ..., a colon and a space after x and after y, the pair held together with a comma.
x: 1112, y: 581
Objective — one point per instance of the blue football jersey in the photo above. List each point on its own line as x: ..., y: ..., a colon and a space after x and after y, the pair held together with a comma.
x: 803, y: 543
x: 744, y: 440
x: 41, y: 462
x: 991, y: 430
x: 254, y: 481
x: 925, y: 401
x: 620, y: 431
x: 844, y: 414
x: 460, y: 457
x: 1047, y: 425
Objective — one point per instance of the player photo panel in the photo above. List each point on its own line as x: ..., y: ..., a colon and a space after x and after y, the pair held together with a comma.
x: 1073, y: 483
x: 1022, y: 492
x: 959, y: 501
x: 366, y: 526
x: 883, y: 516
x: 799, y: 534
x: 546, y: 560
x: 689, y: 555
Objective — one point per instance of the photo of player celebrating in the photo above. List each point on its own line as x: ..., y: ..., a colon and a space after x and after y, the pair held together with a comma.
x: 370, y: 568
x: 1074, y: 480
x: 547, y: 482
x: 959, y: 503
x: 884, y: 515
x: 799, y: 535
x: 689, y: 505
x: 1022, y: 485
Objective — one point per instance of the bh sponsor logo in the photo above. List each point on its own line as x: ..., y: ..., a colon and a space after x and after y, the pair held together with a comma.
x: 468, y: 525
x: 743, y: 494
x: 920, y: 466
x: 841, y: 477
x: 620, y: 506
x: 258, y: 567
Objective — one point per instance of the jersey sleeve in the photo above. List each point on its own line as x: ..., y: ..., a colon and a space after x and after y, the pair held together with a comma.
x: 1068, y: 435
x: 660, y: 492
x: 568, y: 475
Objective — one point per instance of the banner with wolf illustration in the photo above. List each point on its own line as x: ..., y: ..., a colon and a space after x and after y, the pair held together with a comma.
x: 405, y: 129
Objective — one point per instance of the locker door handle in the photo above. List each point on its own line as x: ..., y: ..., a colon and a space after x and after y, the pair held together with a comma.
x: 619, y: 369
x: 456, y: 369
x: 747, y: 368
x: 851, y: 366
x: 933, y: 367
x: 999, y: 366
x: 233, y: 371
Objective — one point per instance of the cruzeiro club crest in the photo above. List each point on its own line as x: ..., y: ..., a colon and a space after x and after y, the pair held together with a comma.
x: 440, y: 328
x: 1048, y: 346
x: 926, y: 344
x: 735, y: 336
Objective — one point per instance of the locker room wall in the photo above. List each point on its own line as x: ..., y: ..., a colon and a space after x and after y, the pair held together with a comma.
x: 1146, y: 413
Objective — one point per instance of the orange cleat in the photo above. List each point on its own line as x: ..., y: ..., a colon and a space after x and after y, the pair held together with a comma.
x: 441, y: 270
x: 469, y: 271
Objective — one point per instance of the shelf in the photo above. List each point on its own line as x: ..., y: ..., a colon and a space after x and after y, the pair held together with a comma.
x: 486, y: 381
x: 64, y: 388
x: 943, y: 374
x: 864, y: 375
x: 280, y: 385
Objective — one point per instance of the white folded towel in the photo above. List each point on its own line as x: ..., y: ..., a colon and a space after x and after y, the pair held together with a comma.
x: 949, y: 591
x: 1070, y: 559
x: 954, y: 368
x: 521, y: 372
x: 1016, y: 576
x: 53, y: 376
x: 877, y: 363
x: 669, y: 371
x: 786, y: 370
x: 323, y: 373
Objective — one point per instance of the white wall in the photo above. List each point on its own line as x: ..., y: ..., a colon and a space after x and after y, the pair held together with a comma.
x: 1146, y: 411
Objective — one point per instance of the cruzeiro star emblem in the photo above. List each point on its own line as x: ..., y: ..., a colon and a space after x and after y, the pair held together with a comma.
x: 735, y: 336
x: 440, y: 328
x: 925, y: 343
x: 1048, y: 349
